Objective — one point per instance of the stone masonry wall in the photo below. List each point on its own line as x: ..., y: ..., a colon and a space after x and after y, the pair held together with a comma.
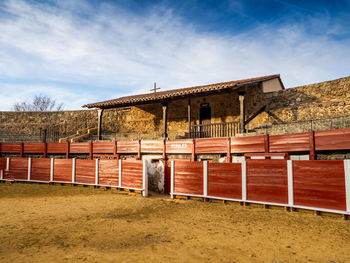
x: 28, y: 124
x: 324, y: 105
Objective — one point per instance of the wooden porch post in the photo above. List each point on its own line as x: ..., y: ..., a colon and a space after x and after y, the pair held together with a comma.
x: 165, y: 120
x: 99, y: 123
x: 189, y: 118
x: 242, y: 112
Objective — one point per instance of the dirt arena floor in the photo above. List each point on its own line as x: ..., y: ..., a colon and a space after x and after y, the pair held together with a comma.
x: 44, y: 223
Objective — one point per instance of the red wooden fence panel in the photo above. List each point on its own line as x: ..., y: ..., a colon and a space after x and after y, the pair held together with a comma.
x: 103, y: 147
x: 85, y: 171
x: 267, y: 181
x: 333, y: 139
x: 18, y: 169
x: 179, y: 146
x: 108, y: 172
x: 132, y: 173
x: 34, y: 147
x: 62, y: 171
x: 217, y: 145
x: 319, y: 184
x: 293, y: 142
x: 3, y: 162
x: 56, y: 147
x: 225, y: 180
x: 79, y: 147
x: 167, y: 174
x: 154, y: 146
x: 40, y: 169
x: 188, y: 177
x: 128, y: 147
x: 249, y: 144
x: 10, y: 147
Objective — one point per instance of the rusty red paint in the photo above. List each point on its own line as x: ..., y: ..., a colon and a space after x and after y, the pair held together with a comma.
x: 40, y: 169
x: 85, y: 171
x: 103, y: 147
x: 34, y: 147
x: 10, y: 147
x: 3, y: 162
x: 127, y: 147
x: 217, y: 145
x: 249, y: 144
x: 62, y: 170
x: 293, y: 142
x: 18, y: 169
x: 79, y: 147
x: 55, y: 147
x: 154, y: 146
x: 132, y: 173
x: 267, y: 181
x: 319, y: 184
x: 225, y: 180
x: 188, y: 177
x: 332, y: 140
x: 108, y: 172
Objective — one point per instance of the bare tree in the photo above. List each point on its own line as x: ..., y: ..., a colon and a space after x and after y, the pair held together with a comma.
x: 40, y: 103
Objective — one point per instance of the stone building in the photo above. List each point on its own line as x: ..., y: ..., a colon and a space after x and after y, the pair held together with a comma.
x: 215, y: 110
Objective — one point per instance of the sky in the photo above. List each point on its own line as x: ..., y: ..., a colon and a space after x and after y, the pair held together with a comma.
x: 85, y: 51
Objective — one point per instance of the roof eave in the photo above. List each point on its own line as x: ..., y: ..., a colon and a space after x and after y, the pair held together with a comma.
x: 106, y: 105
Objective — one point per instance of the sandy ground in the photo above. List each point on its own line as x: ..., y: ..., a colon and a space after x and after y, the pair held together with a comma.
x: 42, y: 223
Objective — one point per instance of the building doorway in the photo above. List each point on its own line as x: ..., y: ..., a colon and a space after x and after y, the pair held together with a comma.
x: 205, y: 120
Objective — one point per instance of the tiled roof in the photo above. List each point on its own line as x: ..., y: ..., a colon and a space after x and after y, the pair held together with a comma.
x: 177, y: 93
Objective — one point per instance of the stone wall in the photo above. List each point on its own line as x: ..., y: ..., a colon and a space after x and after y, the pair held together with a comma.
x: 319, y: 106
x: 25, y: 126
x: 315, y: 106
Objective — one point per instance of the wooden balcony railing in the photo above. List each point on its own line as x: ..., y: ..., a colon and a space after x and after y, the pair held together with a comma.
x: 215, y: 130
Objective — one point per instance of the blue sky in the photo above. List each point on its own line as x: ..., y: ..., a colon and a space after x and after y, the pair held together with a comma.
x: 86, y: 51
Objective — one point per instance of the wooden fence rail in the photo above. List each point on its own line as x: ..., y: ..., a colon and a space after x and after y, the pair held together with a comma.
x: 286, y: 143
x: 314, y: 185
x: 127, y: 174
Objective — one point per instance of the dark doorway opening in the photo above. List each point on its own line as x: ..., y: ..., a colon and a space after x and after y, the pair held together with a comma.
x: 205, y: 115
x: 205, y: 121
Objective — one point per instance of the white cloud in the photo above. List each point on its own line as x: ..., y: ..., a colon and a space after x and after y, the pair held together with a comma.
x: 119, y: 53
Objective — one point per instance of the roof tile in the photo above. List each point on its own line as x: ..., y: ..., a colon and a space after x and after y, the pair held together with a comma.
x: 176, y: 93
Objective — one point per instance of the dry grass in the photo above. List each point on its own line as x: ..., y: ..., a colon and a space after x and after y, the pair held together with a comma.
x: 42, y: 223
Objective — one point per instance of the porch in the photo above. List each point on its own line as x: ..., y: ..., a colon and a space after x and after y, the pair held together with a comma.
x: 195, y: 112
x: 215, y: 130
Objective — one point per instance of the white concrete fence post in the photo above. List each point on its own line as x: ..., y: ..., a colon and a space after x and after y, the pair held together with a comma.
x: 73, y: 170
x: 347, y: 183
x: 290, y: 183
x: 120, y: 173
x: 96, y: 171
x: 29, y: 168
x: 51, y: 169
x: 7, y: 163
x: 172, y: 179
x: 144, y: 179
x: 244, y: 180
x: 205, y: 178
